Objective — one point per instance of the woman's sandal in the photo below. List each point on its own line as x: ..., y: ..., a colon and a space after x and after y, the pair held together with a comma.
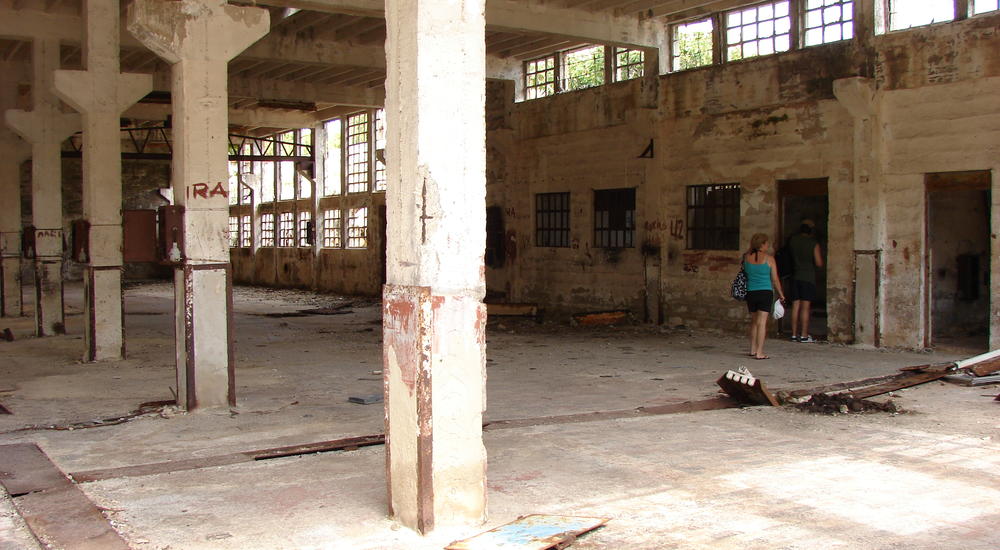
x: 762, y: 358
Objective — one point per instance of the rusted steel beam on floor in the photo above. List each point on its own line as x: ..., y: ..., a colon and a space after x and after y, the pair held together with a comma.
x: 24, y: 468
x: 716, y: 403
x: 746, y: 388
x: 899, y: 382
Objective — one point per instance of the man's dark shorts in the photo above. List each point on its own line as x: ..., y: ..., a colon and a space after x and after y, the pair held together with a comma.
x: 760, y: 300
x: 802, y: 290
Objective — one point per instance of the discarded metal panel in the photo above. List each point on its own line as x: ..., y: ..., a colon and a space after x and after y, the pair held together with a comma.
x: 972, y: 380
x: 534, y: 532
x: 600, y: 318
x: 63, y: 517
x: 512, y: 310
x: 24, y: 468
x: 139, y: 242
x: 747, y: 389
x: 366, y: 399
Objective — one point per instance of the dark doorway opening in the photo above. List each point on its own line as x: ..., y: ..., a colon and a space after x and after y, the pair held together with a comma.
x: 805, y: 199
x: 957, y: 260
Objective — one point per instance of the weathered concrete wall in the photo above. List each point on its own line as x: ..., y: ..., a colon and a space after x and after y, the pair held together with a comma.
x: 936, y: 108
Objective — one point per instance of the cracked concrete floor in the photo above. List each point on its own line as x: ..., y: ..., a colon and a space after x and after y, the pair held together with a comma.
x: 738, y: 478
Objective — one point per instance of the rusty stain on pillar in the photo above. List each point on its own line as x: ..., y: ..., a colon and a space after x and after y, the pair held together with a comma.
x: 46, y: 126
x: 101, y: 93
x: 434, y: 350
x: 198, y: 38
x: 13, y: 151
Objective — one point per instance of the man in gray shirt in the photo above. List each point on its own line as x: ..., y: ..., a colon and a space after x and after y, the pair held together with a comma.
x: 806, y: 258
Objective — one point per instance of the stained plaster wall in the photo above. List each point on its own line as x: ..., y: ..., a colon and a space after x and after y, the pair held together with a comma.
x: 937, y: 108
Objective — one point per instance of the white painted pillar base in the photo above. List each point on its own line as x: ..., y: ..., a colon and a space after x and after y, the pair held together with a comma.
x: 198, y: 38
x: 434, y: 318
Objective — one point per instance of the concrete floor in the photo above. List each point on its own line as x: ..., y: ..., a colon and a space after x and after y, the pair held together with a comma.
x: 737, y: 478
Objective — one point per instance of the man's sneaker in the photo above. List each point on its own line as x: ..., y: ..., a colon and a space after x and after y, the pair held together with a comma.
x: 795, y: 338
x: 806, y: 340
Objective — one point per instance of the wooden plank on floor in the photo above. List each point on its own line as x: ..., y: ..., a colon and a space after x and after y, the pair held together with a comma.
x: 900, y: 382
x: 63, y: 517
x: 24, y: 468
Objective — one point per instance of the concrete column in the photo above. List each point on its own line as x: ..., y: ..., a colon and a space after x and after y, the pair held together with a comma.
x: 13, y: 151
x: 858, y: 96
x: 46, y: 127
x: 101, y: 94
x: 198, y: 38
x: 434, y: 318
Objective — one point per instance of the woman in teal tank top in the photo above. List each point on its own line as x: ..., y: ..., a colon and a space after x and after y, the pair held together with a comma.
x: 762, y: 283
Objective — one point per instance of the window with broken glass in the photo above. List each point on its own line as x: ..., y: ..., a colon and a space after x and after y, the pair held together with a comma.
x: 332, y: 230
x: 305, y: 228
x: 246, y: 235
x: 286, y: 229
x: 629, y: 64
x: 983, y: 6
x: 691, y: 44
x: 825, y: 21
x: 234, y: 231
x: 582, y: 68
x: 357, y: 228
x: 614, y: 218
x: 334, y: 161
x: 552, y: 219
x: 380, y: 150
x: 763, y: 29
x: 713, y: 217
x: 267, y: 230
x: 906, y: 14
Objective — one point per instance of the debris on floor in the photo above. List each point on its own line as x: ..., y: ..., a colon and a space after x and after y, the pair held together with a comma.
x: 162, y: 408
x: 844, y: 404
x: 533, y: 532
x: 981, y: 365
x: 511, y: 310
x: 366, y: 399
x: 967, y: 379
x: 600, y: 318
x: 742, y: 386
x: 8, y: 335
x: 4, y: 410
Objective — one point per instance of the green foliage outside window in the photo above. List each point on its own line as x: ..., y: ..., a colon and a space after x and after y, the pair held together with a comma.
x: 693, y: 50
x: 583, y: 68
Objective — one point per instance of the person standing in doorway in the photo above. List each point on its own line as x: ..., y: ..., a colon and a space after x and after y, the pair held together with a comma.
x: 762, y: 283
x: 806, y: 259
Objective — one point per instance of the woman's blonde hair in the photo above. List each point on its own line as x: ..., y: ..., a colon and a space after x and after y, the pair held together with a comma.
x: 757, y: 241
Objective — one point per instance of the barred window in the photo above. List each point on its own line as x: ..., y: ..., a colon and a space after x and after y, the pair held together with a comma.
x: 691, y: 44
x: 380, y: 150
x: 332, y: 230
x: 286, y: 229
x: 234, y: 231
x: 713, y: 217
x: 540, y: 77
x: 629, y: 64
x: 828, y: 21
x: 305, y: 228
x: 333, y: 162
x: 582, y: 68
x: 246, y: 234
x: 758, y: 30
x: 267, y: 230
x: 552, y: 219
x: 614, y: 218
x: 357, y: 153
x: 357, y: 228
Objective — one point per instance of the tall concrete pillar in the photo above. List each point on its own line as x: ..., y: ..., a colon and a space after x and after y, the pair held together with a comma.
x: 434, y: 318
x: 101, y: 94
x: 13, y: 151
x: 46, y: 127
x: 198, y: 38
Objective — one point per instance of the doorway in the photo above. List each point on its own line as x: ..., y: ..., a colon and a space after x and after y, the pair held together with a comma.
x: 957, y: 260
x: 805, y: 199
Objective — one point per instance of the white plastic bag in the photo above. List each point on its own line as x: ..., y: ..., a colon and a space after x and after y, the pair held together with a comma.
x: 779, y: 310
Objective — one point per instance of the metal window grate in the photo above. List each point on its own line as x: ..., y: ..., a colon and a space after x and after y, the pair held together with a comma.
x: 286, y: 229
x: 540, y: 77
x: 267, y: 230
x: 357, y: 228
x: 305, y: 228
x: 332, y: 229
x: 357, y: 153
x: 713, y: 217
x: 614, y: 218
x: 246, y: 234
x: 234, y: 231
x: 629, y: 64
x: 380, y: 150
x: 552, y: 219
x: 758, y: 30
x: 828, y: 21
